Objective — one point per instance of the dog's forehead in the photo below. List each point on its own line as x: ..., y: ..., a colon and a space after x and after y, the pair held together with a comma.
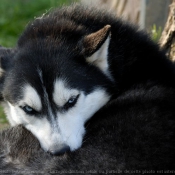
x: 59, y: 79
x: 31, y: 98
x: 59, y: 96
x: 31, y: 65
x: 62, y: 93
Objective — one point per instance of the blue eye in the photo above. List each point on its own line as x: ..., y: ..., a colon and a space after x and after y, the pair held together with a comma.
x: 71, y: 102
x: 28, y: 110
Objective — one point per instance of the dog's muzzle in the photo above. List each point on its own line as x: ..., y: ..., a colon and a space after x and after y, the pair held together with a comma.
x: 59, y: 151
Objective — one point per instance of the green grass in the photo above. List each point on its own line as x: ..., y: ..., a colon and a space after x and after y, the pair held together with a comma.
x: 15, y: 14
x: 156, y: 33
x: 2, y: 116
x: 3, y: 120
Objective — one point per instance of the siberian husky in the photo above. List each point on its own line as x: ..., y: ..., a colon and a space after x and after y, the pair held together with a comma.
x: 70, y: 63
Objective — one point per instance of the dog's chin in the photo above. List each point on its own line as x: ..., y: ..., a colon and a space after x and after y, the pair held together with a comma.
x: 57, y: 148
x: 75, y: 142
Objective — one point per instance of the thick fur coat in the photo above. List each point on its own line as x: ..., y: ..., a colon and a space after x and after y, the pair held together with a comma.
x: 127, y: 135
x: 134, y: 131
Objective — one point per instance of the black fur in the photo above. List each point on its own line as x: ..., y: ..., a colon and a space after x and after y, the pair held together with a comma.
x: 132, y: 133
x: 6, y: 56
x: 136, y: 131
x: 54, y: 44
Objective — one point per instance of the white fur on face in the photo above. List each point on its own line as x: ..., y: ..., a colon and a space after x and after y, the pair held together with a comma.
x: 71, y: 123
x: 48, y: 136
x: 15, y: 114
x: 67, y: 128
x: 40, y: 127
x: 62, y: 94
x: 31, y: 98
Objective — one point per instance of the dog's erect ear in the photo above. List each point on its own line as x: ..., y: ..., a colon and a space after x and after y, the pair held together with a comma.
x: 95, y: 48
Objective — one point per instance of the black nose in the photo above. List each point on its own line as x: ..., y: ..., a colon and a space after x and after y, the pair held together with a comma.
x: 60, y: 151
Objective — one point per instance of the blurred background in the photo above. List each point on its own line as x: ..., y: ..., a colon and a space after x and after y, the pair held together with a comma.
x: 150, y: 15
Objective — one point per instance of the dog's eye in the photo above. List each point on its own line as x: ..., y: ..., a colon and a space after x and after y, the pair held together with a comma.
x: 28, y: 109
x: 71, y: 102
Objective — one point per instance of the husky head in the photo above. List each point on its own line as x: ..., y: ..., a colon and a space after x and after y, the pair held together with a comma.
x: 57, y: 80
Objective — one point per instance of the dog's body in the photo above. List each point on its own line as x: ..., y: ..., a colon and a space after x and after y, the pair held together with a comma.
x: 130, y: 135
x: 71, y: 63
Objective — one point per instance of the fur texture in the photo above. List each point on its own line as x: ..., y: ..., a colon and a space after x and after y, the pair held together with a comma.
x: 131, y: 133
x: 135, y: 130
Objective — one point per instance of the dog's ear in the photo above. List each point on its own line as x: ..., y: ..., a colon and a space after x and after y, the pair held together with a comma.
x: 95, y: 48
x: 6, y: 55
x: 6, y: 58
